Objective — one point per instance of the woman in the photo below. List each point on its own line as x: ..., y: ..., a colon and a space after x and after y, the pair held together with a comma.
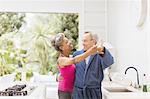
x: 66, y: 64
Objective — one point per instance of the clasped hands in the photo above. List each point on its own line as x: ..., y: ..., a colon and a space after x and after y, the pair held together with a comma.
x: 98, y: 48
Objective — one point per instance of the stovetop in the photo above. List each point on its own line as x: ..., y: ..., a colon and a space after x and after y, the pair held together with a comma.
x: 16, y: 90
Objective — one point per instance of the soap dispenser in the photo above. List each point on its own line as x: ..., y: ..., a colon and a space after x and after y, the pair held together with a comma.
x: 144, y: 83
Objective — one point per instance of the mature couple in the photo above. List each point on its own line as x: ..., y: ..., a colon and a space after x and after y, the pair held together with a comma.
x: 83, y: 73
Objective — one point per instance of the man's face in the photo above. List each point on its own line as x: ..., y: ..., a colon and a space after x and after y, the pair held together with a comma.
x: 88, y: 41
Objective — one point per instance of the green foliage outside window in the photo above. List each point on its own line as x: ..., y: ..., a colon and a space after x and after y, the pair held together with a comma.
x: 10, y: 22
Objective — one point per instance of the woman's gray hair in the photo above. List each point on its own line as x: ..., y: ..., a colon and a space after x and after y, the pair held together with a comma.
x: 57, y: 41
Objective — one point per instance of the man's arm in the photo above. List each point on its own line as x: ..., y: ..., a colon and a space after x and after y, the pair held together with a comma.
x: 107, y: 58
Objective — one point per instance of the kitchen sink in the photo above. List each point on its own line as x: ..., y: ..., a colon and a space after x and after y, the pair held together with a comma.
x: 117, y: 89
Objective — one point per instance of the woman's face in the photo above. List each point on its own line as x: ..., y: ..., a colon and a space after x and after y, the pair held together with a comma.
x: 67, y: 45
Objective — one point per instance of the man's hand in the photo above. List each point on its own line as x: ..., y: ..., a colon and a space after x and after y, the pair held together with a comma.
x: 100, y: 50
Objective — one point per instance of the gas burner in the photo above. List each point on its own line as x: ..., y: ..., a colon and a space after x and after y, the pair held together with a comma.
x: 16, y: 90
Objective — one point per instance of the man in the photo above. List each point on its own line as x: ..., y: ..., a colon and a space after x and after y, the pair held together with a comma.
x: 89, y: 73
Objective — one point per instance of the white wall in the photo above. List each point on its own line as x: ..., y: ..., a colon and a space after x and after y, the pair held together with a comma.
x: 131, y: 43
x: 148, y: 38
x: 64, y: 6
x: 94, y: 18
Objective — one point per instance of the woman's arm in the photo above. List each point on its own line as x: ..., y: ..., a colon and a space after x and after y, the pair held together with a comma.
x: 65, y: 61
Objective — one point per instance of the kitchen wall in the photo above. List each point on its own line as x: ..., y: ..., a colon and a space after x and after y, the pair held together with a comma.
x: 131, y: 43
x: 95, y: 16
x: 148, y: 38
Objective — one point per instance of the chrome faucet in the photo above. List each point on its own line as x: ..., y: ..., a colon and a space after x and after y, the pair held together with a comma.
x: 137, y: 74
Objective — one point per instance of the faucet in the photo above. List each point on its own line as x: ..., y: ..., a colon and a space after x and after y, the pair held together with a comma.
x: 136, y: 72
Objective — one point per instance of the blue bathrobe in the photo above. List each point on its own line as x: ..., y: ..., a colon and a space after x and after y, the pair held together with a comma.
x: 89, y: 76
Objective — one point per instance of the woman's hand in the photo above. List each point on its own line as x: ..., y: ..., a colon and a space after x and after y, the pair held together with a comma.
x: 92, y: 50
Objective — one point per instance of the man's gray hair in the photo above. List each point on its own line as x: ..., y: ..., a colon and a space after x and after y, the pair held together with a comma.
x: 93, y: 36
